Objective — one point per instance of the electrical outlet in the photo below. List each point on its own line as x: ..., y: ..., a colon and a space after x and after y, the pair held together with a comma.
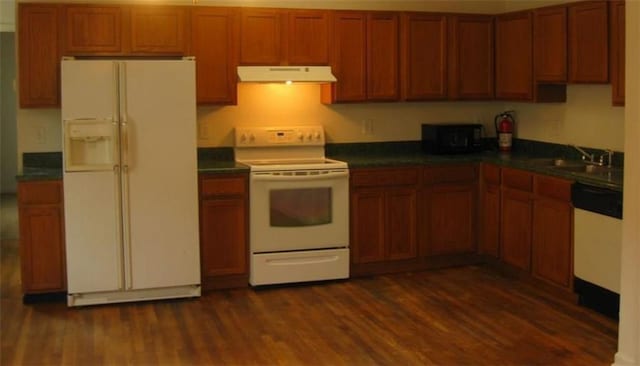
x: 366, y: 127
x: 41, y: 135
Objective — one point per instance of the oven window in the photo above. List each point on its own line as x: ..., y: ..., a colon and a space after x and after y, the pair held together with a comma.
x: 300, y: 207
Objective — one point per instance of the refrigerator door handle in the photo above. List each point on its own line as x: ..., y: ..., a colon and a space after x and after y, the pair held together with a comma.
x: 123, y: 113
x: 119, y: 235
x: 126, y: 229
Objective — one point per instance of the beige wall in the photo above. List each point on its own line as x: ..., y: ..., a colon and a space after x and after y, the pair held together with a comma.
x: 271, y: 104
x: 629, y: 328
x: 586, y: 119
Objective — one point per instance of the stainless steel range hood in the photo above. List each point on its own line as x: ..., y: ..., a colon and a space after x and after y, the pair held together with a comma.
x: 285, y: 74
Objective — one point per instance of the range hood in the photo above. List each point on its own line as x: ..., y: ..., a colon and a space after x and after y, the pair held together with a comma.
x: 285, y: 74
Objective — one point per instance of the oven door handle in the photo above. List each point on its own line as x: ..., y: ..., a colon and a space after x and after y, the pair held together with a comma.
x: 301, y: 177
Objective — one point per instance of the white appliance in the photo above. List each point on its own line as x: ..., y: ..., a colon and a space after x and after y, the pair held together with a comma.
x: 299, y: 205
x: 130, y: 180
x: 285, y: 74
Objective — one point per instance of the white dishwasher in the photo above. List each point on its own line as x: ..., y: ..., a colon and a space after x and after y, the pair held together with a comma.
x: 597, y: 247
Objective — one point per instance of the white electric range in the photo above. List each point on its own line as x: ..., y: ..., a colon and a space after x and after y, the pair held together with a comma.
x: 299, y: 205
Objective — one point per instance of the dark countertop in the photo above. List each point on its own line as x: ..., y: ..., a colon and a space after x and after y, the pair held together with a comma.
x: 205, y: 167
x: 223, y: 164
x: 212, y: 166
x: 520, y: 161
x: 35, y: 174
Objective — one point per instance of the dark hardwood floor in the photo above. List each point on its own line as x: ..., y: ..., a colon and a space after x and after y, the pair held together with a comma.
x: 458, y: 316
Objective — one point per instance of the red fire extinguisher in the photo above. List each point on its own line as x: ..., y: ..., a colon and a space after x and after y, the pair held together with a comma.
x: 505, y: 125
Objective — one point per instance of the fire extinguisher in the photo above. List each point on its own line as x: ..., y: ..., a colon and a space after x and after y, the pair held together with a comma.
x: 505, y: 124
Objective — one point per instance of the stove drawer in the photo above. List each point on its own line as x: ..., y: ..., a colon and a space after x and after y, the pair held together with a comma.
x: 299, y: 266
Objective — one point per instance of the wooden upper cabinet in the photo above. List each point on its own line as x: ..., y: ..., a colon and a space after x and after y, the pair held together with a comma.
x: 39, y: 58
x: 617, y: 34
x: 308, y: 37
x: 588, y: 42
x: 471, y: 49
x: 348, y: 59
x: 382, y: 56
x: 214, y: 38
x: 159, y: 30
x: 424, y: 56
x: 514, y: 66
x: 260, y: 37
x: 92, y: 29
x: 550, y: 44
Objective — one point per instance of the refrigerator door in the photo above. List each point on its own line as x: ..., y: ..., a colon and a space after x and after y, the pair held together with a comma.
x: 91, y: 198
x: 159, y: 157
x: 94, y: 253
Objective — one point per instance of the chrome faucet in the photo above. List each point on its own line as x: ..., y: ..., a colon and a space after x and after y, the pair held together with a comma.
x: 585, y: 155
x: 609, y: 154
x: 591, y: 158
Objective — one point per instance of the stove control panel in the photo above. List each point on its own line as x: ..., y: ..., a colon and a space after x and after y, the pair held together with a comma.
x: 278, y: 136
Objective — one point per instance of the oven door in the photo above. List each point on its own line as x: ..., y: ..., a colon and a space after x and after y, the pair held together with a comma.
x: 299, y: 210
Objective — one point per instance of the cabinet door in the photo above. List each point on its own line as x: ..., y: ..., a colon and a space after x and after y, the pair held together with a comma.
x: 159, y: 30
x: 349, y: 57
x: 490, y: 221
x: 552, y: 241
x: 368, y: 225
x: 588, y: 43
x: 214, y: 37
x: 223, y: 226
x: 617, y: 34
x: 471, y: 49
x: 451, y: 219
x: 308, y: 35
x: 550, y: 44
x: 424, y: 56
x: 514, y: 67
x: 382, y: 57
x: 38, y: 54
x: 42, y: 249
x: 516, y: 214
x: 92, y: 30
x: 401, y: 223
x: 41, y: 220
x: 260, y: 37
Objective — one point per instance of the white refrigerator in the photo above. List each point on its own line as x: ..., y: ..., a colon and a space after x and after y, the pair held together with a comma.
x: 130, y: 180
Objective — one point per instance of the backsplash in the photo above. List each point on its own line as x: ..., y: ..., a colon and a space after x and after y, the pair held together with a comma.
x: 42, y: 159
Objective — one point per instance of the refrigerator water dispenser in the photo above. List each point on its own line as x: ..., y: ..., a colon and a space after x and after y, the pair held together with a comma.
x: 89, y: 145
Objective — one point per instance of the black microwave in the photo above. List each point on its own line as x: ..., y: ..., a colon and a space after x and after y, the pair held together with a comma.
x: 451, y: 138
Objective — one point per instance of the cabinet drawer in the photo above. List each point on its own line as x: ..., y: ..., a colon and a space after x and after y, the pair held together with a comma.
x: 518, y: 179
x: 384, y: 177
x: 46, y: 192
x: 491, y: 174
x: 222, y: 186
x: 450, y: 174
x: 552, y: 187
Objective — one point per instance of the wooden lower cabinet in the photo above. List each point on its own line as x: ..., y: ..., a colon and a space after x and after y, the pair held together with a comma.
x: 516, y: 228
x: 536, y: 228
x: 383, y: 218
x: 223, y: 231
x: 489, y: 220
x: 449, y: 201
x: 552, y: 241
x: 368, y: 225
x: 41, y: 221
